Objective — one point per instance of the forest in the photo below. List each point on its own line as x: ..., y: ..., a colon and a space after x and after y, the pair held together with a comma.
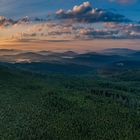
x: 54, y: 106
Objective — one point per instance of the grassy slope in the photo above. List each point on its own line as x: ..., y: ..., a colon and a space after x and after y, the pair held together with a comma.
x: 57, y: 107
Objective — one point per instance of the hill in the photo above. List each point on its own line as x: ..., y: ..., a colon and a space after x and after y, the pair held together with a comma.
x: 57, y: 67
x: 68, y: 107
x: 118, y: 51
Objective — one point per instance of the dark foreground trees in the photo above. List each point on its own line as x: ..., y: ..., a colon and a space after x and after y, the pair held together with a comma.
x: 58, y: 107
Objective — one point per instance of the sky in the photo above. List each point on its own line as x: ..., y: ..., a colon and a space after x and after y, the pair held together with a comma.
x: 70, y: 24
x: 19, y: 8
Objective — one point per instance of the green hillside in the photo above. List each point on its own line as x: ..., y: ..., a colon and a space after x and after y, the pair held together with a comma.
x: 58, y: 107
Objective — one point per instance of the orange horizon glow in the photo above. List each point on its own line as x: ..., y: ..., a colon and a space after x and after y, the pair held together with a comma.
x: 75, y: 45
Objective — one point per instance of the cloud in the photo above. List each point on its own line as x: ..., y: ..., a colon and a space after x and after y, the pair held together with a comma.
x: 85, y: 13
x: 125, y: 30
x: 98, y: 33
x: 56, y: 30
x: 128, y: 27
x: 133, y: 27
x: 6, y: 22
x: 78, y: 23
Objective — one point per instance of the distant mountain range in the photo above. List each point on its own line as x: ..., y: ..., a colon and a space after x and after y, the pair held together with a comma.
x: 90, y: 58
x: 41, y: 56
x: 118, y: 51
x: 69, y: 62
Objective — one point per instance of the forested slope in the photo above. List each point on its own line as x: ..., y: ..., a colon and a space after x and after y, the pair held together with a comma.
x: 54, y: 107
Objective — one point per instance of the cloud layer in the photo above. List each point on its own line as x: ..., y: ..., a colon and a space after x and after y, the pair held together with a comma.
x: 79, y: 23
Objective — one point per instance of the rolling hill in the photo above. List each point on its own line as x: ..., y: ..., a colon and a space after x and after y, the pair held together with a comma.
x: 69, y: 69
x: 68, y: 107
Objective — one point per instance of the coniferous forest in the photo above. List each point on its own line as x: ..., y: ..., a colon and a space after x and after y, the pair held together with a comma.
x: 54, y: 106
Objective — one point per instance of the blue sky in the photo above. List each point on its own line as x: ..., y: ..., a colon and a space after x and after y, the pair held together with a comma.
x: 19, y: 8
